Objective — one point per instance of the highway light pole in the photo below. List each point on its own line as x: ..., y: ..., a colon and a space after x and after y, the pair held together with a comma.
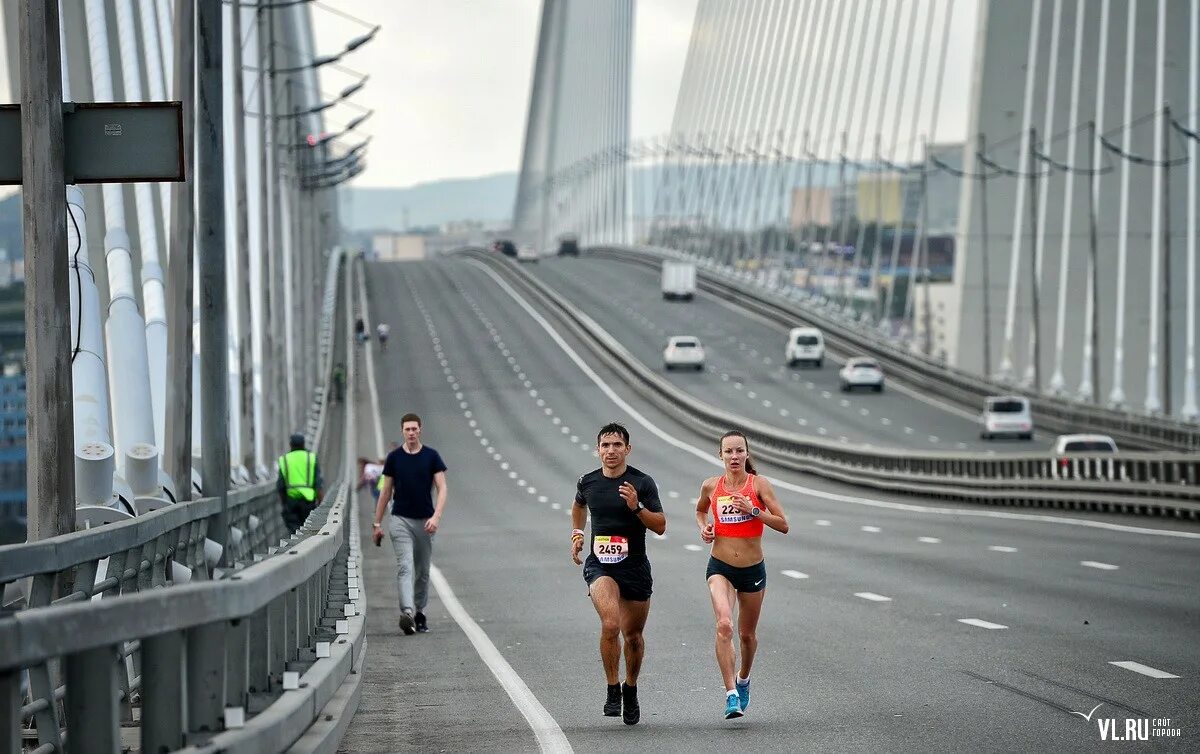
x: 50, y: 436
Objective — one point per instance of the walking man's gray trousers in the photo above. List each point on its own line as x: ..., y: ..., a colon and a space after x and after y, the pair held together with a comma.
x: 414, y: 549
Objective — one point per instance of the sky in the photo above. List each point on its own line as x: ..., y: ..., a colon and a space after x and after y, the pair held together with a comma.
x: 450, y: 80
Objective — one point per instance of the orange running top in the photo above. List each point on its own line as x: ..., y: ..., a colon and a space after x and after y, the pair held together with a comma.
x: 728, y: 521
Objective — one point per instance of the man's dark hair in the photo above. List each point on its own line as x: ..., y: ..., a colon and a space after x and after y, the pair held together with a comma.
x: 410, y: 418
x: 297, y: 441
x: 613, y: 428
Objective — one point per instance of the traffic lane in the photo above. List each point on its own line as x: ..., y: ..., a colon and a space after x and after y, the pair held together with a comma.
x: 684, y: 506
x: 757, y: 362
x: 762, y: 394
x: 428, y: 691
x: 686, y: 581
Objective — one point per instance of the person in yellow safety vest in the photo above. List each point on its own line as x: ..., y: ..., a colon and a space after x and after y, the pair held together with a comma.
x: 299, y: 483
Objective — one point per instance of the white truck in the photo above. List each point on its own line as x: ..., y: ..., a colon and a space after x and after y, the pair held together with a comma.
x: 678, y: 280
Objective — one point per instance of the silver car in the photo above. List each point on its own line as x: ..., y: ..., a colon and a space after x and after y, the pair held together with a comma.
x: 1006, y: 415
x: 861, y: 371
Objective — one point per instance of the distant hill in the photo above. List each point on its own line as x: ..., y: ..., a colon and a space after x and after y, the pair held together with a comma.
x: 488, y: 199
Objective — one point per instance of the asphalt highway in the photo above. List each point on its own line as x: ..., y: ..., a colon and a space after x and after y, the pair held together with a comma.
x: 746, y: 368
x: 890, y: 622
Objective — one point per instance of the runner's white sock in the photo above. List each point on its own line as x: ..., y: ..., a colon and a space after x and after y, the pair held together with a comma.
x: 742, y: 681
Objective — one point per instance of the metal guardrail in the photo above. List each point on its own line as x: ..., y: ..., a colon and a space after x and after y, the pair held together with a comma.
x: 1146, y: 483
x: 264, y: 650
x: 109, y: 620
x: 1058, y: 415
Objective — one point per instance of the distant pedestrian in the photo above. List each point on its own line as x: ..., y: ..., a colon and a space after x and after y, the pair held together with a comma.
x: 382, y: 331
x: 410, y: 473
x: 339, y: 382
x: 299, y: 483
x: 360, y: 331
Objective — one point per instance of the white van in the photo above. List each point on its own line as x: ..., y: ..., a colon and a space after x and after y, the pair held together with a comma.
x: 804, y: 344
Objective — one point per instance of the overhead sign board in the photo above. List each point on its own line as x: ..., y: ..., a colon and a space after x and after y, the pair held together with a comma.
x: 106, y: 142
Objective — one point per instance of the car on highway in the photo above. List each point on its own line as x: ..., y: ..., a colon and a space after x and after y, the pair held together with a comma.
x: 1067, y: 444
x: 861, y: 371
x: 683, y: 351
x: 568, y: 245
x: 526, y: 253
x: 505, y: 247
x: 1006, y: 415
x: 804, y: 345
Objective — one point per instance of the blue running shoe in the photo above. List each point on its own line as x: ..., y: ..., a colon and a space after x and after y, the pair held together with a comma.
x: 733, y: 707
x: 743, y: 690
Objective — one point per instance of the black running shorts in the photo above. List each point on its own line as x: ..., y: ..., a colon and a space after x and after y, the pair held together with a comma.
x: 748, y: 579
x: 633, y: 579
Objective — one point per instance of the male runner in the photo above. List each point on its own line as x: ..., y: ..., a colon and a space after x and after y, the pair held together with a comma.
x: 623, y: 503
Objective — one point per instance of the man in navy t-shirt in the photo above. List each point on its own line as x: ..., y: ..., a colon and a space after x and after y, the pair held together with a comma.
x: 410, y: 472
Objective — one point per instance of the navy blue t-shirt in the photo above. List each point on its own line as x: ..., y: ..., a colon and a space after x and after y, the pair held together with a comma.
x: 412, y: 477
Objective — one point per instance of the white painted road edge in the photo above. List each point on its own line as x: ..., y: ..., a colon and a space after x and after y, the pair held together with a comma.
x: 549, y: 735
x: 708, y: 458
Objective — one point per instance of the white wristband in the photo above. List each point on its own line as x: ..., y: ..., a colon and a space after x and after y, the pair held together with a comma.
x: 577, y: 531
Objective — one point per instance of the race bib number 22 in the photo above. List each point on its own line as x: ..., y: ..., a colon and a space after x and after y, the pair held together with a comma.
x: 728, y: 512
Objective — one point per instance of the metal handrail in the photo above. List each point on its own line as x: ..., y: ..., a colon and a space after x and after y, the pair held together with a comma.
x: 1160, y: 483
x: 968, y: 390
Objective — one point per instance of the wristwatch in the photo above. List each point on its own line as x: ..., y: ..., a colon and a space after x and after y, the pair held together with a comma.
x: 639, y: 509
x: 755, y: 511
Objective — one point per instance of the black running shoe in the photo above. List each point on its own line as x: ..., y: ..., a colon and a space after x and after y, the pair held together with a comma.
x: 612, y: 705
x: 633, y: 712
x: 407, y: 625
x: 422, y: 626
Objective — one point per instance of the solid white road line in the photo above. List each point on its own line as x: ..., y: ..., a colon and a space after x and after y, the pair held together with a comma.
x: 1138, y: 667
x: 1101, y: 566
x: 550, y: 736
x: 872, y: 596
x: 980, y: 623
x: 362, y: 296
x: 794, y: 574
x: 708, y: 457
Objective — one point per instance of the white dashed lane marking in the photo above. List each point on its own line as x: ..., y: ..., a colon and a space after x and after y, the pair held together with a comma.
x: 872, y: 597
x: 693, y: 548
x: 1098, y: 565
x: 871, y: 529
x: 981, y: 623
x: 1002, y: 548
x: 794, y: 574
x: 929, y: 540
x: 1138, y: 667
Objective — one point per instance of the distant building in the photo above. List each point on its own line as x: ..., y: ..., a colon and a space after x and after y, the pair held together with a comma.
x: 811, y: 207
x: 12, y: 444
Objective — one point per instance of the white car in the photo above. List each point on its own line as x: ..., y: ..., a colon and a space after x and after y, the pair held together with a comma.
x: 804, y: 344
x: 861, y: 371
x: 1066, y: 444
x: 1006, y: 415
x: 526, y: 253
x: 683, y: 351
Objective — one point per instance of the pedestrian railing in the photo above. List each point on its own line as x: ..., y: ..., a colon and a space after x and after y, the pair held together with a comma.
x: 241, y: 663
x: 1133, y: 482
x: 1058, y: 415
